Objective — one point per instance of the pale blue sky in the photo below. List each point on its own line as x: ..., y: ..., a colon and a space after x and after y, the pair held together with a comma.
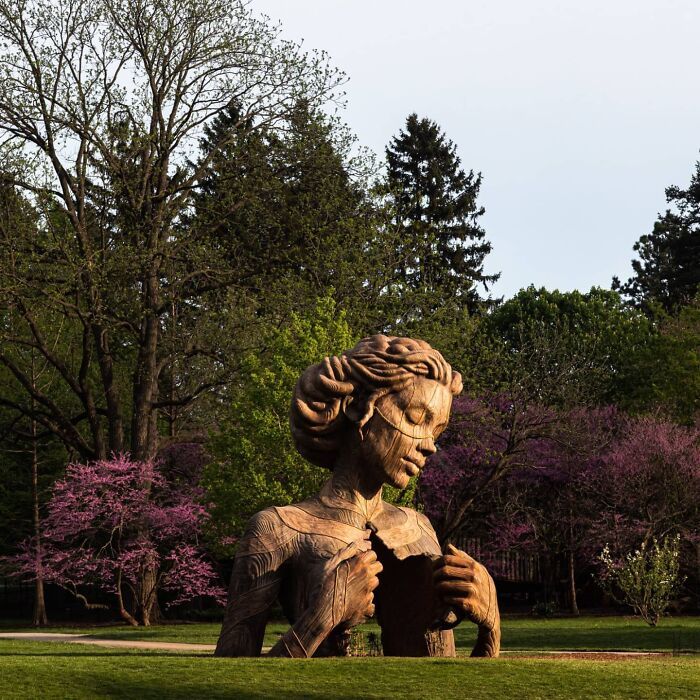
x: 578, y: 114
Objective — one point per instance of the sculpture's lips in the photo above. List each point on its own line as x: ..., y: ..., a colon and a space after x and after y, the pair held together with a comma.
x: 412, y: 467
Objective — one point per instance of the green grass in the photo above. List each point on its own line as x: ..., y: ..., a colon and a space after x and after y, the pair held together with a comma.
x: 519, y: 634
x: 55, y: 670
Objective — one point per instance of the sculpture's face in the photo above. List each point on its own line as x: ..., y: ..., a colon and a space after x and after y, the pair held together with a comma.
x: 402, y: 432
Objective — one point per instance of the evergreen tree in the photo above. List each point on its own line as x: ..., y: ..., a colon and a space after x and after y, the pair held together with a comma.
x: 668, y: 269
x: 442, y: 245
x: 286, y: 206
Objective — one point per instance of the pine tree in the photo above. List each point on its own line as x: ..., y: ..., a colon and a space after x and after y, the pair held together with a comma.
x: 668, y: 269
x: 435, y: 202
x: 284, y: 205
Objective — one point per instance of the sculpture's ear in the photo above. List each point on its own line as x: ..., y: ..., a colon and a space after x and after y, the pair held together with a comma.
x: 354, y: 409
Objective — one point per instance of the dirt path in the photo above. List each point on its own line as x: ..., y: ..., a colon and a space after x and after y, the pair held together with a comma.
x: 87, y: 639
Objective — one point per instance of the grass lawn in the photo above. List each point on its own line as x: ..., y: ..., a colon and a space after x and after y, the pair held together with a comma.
x: 55, y: 670
x: 519, y: 634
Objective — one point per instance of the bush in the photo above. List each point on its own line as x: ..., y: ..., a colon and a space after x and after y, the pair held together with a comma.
x: 645, y: 579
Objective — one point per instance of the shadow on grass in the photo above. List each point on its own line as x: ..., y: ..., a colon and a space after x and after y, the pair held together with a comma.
x: 99, y: 687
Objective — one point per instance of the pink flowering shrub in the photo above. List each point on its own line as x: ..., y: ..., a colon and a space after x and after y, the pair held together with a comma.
x: 563, y: 485
x: 124, y: 528
x: 488, y: 437
x: 648, y: 485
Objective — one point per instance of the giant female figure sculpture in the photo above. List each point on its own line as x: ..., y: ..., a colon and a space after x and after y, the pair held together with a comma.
x: 372, y: 416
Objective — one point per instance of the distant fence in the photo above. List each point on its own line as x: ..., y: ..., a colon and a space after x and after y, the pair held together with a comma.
x: 512, y: 566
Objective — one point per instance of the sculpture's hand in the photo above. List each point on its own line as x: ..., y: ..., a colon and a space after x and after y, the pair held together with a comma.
x: 348, y: 581
x: 344, y: 597
x: 465, y: 585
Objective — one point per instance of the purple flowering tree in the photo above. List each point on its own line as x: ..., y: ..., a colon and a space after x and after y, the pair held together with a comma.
x: 548, y: 509
x: 648, y: 485
x: 563, y: 486
x: 109, y: 521
x: 488, y: 437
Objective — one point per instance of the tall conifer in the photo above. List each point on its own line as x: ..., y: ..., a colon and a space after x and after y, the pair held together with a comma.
x: 668, y: 269
x: 435, y: 201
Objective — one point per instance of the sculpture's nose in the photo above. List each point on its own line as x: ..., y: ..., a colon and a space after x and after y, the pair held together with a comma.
x: 427, y: 446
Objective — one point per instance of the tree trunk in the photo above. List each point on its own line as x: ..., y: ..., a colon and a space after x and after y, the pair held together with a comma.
x: 126, y: 615
x: 573, y: 603
x: 40, y: 618
x: 144, y: 432
x: 149, y: 610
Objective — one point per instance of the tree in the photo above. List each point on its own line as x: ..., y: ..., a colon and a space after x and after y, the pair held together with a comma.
x: 488, y: 437
x: 563, y: 490
x: 564, y: 348
x: 100, y: 103
x: 668, y: 368
x: 290, y: 208
x: 255, y: 463
x: 646, y: 579
x: 547, y: 508
x: 648, y: 484
x: 442, y: 246
x: 104, y: 530
x: 668, y: 269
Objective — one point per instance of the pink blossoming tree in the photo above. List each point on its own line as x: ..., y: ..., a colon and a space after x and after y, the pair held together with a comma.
x: 564, y: 485
x: 488, y: 437
x: 108, y: 521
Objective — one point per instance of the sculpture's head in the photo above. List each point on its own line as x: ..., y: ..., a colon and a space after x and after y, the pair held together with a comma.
x: 387, y: 400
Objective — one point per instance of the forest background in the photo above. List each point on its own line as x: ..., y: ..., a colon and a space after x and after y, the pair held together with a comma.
x: 186, y: 224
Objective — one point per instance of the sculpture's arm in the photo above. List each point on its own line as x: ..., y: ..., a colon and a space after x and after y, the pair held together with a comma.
x: 343, y: 596
x: 255, y: 584
x: 466, y: 586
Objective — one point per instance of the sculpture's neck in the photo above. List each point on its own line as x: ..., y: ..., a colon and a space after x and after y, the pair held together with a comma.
x: 348, y: 484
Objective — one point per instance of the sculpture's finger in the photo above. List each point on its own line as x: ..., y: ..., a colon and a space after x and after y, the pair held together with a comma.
x: 460, y: 562
x: 454, y: 572
x: 452, y: 550
x: 349, y: 551
x: 369, y: 556
x: 449, y: 589
x: 376, y: 568
x: 465, y: 608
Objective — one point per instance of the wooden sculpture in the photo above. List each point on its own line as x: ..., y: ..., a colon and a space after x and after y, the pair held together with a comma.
x: 372, y: 416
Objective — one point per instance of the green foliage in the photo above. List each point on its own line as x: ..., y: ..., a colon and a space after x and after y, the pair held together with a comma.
x: 670, y: 367
x: 287, y: 205
x: 160, y: 315
x: 441, y: 249
x: 545, y: 609
x: 668, y: 269
x: 645, y: 579
x: 562, y: 348
x: 255, y: 462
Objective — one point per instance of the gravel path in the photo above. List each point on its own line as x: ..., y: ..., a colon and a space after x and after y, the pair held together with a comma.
x: 87, y: 639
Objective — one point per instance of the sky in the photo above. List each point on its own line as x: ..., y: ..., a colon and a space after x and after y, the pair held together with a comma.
x: 578, y: 114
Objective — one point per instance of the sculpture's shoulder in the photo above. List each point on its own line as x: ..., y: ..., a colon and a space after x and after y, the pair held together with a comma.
x: 406, y: 532
x: 425, y: 524
x: 312, y: 518
x: 266, y: 531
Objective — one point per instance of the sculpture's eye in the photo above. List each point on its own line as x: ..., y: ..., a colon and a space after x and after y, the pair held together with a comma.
x: 415, y: 417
